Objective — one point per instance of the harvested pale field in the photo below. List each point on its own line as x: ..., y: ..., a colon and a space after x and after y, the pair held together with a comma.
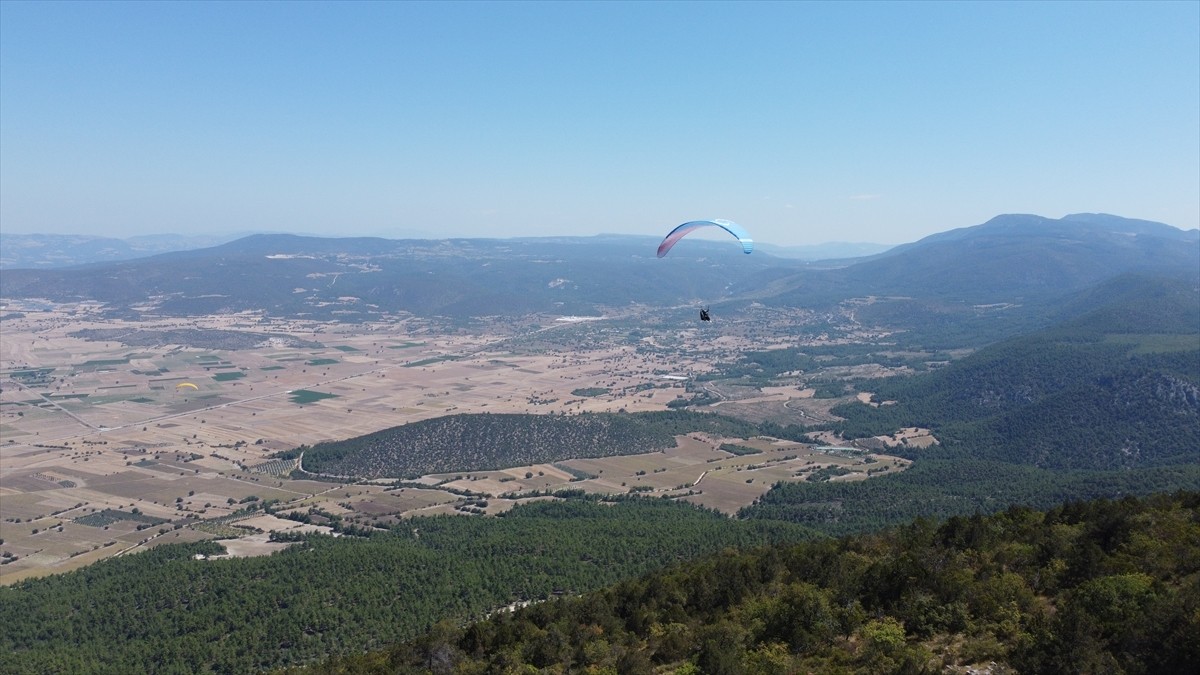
x: 696, y: 471
x: 249, y: 546
x: 911, y: 437
x: 401, y: 501
x: 92, y: 425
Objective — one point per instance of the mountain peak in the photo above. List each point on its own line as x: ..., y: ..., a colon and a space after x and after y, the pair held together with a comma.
x: 1123, y: 225
x: 1071, y: 226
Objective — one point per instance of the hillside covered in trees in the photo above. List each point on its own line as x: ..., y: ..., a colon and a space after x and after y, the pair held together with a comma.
x: 164, y: 611
x: 478, y: 442
x: 941, y: 488
x: 1117, y: 387
x: 1106, y: 402
x: 1101, y: 586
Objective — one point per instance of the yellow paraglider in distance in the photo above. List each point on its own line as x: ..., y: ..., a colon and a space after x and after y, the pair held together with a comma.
x: 181, y: 385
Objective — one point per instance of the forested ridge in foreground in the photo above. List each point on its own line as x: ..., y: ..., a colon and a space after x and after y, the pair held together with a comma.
x: 162, y: 611
x: 479, y: 442
x: 1101, y: 586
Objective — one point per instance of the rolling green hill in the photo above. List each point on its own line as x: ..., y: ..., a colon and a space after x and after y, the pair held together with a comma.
x: 480, y: 442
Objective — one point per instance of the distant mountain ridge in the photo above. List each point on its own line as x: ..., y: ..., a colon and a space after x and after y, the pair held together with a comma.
x: 354, y: 279
x: 1020, y: 255
x: 950, y: 285
x: 975, y: 285
x: 834, y: 250
x: 1026, y: 224
x: 65, y: 250
x: 53, y: 251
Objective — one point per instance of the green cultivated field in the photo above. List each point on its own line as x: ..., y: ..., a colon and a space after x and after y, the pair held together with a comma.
x: 303, y: 396
x: 225, y: 377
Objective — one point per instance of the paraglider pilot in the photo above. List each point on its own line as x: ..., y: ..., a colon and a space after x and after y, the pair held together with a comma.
x: 704, y: 314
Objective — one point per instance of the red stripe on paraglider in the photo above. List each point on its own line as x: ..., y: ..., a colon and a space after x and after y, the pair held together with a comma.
x: 675, y: 235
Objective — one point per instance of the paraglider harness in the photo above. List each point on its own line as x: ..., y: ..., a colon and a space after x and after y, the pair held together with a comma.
x: 704, y: 314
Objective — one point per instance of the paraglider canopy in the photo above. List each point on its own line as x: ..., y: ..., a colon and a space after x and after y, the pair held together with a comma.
x: 728, y: 225
x: 187, y: 385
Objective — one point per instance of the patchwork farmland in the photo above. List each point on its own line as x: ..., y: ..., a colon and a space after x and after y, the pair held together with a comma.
x: 119, y: 435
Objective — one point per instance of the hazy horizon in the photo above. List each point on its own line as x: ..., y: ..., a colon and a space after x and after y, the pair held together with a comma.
x: 234, y: 235
x: 808, y: 123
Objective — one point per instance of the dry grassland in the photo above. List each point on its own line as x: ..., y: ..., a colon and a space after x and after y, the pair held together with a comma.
x: 87, y: 426
x: 696, y: 471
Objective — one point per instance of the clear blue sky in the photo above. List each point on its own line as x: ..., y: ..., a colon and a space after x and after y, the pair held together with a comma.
x: 805, y: 122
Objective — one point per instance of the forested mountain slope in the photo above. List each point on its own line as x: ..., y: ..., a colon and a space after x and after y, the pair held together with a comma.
x: 1014, y: 274
x: 1018, y: 257
x: 1117, y: 387
x: 1105, y: 403
x: 1104, y: 586
x: 163, y: 611
x: 942, y: 488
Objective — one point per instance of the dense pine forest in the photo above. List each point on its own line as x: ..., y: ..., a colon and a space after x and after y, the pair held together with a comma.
x: 479, y: 442
x: 946, y: 487
x: 1099, y: 586
x: 165, y: 611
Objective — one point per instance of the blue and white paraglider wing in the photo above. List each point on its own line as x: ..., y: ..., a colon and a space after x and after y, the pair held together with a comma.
x: 728, y: 225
